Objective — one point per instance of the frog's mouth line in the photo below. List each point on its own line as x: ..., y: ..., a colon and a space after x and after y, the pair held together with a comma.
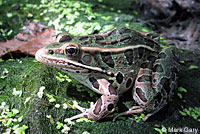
x: 65, y: 64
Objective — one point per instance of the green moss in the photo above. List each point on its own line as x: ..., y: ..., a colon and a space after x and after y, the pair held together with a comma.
x: 193, y: 67
x: 191, y: 112
x: 22, y: 87
x: 74, y: 17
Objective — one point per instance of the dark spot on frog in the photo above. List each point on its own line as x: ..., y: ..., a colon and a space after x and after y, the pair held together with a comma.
x: 158, y: 68
x: 65, y: 38
x: 174, y: 69
x: 82, y: 38
x: 98, y: 107
x: 100, y: 42
x: 146, y: 65
x: 96, y: 85
x: 110, y: 107
x: 94, y: 82
x: 150, y: 43
x: 86, y: 42
x: 140, y: 52
x: 114, y: 42
x: 89, y: 70
x: 77, y: 72
x: 125, y: 38
x: 92, y: 79
x: 99, y: 37
x: 157, y: 99
x: 86, y: 116
x: 129, y: 56
x: 110, y: 81
x: 144, y: 78
x: 103, y: 68
x: 50, y: 51
x: 112, y: 75
x: 106, y: 57
x: 94, y: 31
x: 119, y: 78
x: 128, y: 83
x: 141, y: 94
x: 167, y: 86
x: 112, y: 90
x: 162, y: 55
x: 151, y: 58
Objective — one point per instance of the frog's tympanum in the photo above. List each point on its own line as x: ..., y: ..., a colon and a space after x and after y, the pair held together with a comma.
x: 112, y: 63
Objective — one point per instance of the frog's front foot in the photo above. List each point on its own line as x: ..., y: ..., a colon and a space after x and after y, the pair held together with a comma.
x: 83, y: 110
x: 104, y: 105
x: 86, y: 113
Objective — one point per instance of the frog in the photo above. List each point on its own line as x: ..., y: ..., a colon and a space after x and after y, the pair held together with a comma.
x: 112, y: 63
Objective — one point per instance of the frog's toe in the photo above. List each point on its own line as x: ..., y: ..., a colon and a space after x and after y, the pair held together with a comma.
x: 114, y: 119
x: 82, y: 115
x: 132, y: 110
x: 76, y: 106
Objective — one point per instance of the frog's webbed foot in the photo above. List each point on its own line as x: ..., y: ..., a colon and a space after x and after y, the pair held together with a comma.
x: 104, y: 106
x: 132, y: 110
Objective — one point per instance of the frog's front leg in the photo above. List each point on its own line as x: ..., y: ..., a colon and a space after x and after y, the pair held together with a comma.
x: 104, y: 105
x: 154, y: 84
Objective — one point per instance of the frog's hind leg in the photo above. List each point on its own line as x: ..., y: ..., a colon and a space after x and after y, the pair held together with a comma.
x: 154, y: 84
x: 104, y: 105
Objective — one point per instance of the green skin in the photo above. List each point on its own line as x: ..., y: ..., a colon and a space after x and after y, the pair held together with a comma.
x: 113, y: 62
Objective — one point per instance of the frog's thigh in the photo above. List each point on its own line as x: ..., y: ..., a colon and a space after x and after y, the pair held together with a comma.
x: 104, y: 105
x: 142, y: 91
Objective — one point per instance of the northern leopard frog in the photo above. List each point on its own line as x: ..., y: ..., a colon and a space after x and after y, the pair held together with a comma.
x: 113, y: 62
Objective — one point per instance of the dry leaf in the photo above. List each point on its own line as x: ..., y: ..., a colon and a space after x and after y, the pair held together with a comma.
x: 29, y: 40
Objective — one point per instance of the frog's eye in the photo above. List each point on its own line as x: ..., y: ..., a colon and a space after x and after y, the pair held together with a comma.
x: 71, y: 51
x: 50, y: 51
